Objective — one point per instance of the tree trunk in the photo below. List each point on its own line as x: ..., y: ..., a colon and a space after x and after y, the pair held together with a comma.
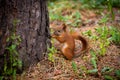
x: 29, y: 20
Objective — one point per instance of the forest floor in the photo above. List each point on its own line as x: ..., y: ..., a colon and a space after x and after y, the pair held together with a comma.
x: 100, y: 62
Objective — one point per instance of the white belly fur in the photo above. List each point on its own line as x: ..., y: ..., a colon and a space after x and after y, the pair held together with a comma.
x: 64, y: 47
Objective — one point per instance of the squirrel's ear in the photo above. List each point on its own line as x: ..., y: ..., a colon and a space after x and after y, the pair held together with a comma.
x: 64, y: 26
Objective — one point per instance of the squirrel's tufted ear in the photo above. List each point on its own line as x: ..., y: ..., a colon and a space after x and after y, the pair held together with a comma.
x: 64, y: 26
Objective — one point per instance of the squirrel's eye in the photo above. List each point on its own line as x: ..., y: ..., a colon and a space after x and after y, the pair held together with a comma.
x: 59, y: 31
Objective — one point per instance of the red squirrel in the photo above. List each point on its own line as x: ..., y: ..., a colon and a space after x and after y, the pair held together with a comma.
x: 68, y: 39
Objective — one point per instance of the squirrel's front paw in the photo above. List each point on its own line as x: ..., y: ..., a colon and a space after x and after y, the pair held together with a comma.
x: 53, y: 36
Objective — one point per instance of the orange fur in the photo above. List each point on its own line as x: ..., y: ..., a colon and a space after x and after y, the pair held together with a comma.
x: 63, y: 36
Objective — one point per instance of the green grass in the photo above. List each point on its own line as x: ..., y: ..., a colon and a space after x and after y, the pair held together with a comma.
x: 58, y: 10
x: 105, y: 35
x: 115, y: 35
x: 12, y: 63
x: 51, y: 53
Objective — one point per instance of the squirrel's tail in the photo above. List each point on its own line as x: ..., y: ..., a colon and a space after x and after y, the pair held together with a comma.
x: 84, y: 44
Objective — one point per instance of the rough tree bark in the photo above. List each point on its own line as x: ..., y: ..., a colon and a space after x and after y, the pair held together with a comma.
x: 33, y: 28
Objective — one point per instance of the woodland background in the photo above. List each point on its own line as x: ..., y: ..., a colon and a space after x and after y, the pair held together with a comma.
x: 99, y: 22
